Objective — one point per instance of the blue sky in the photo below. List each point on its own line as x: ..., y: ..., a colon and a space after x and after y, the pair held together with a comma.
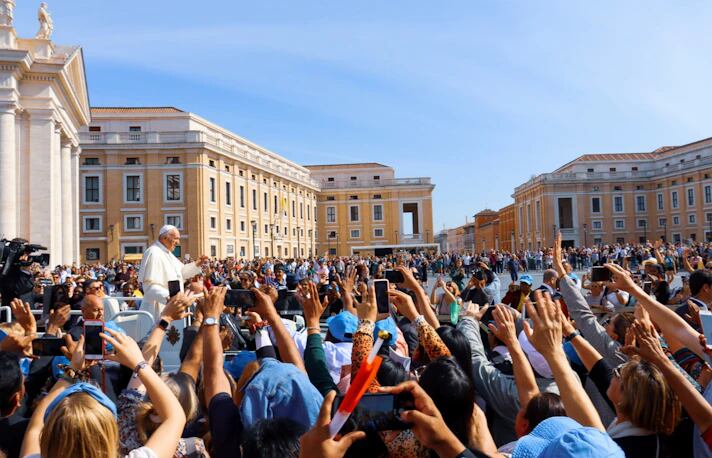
x: 479, y: 95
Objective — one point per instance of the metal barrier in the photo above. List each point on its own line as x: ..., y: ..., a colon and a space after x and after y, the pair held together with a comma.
x: 8, y: 313
x: 136, y: 328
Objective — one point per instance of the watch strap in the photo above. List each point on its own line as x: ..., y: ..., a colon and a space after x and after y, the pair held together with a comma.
x: 163, y: 324
x: 210, y: 321
x: 572, y: 336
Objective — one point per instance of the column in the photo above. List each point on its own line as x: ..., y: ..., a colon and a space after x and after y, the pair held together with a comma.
x: 76, y: 192
x: 67, y: 233
x: 8, y: 171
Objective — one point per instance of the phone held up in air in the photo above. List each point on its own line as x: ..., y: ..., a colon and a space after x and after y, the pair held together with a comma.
x: 706, y: 321
x: 244, y: 298
x: 173, y: 287
x: 600, y: 273
x: 93, y: 343
x: 47, y: 346
x: 377, y: 412
x: 381, y: 287
x: 394, y: 276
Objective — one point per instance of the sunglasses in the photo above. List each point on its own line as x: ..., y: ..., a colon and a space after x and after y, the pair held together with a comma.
x: 617, y: 370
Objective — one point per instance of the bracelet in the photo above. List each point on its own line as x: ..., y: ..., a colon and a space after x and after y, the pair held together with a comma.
x: 572, y: 336
x: 314, y: 328
x: 419, y: 321
x: 139, y: 366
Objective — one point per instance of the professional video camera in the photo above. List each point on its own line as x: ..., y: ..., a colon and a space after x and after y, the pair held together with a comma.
x: 12, y: 250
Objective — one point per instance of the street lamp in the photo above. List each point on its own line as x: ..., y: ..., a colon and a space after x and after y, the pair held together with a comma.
x: 337, y: 244
x: 271, y: 237
x: 665, y: 230
x: 709, y: 233
x: 427, y: 236
x: 645, y: 231
x: 396, y: 234
x: 512, y: 247
x: 299, y: 252
x: 553, y: 235
x: 254, y: 242
x: 585, y: 235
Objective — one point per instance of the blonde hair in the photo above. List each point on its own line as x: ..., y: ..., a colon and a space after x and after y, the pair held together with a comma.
x: 81, y: 428
x: 183, y: 389
x: 648, y: 400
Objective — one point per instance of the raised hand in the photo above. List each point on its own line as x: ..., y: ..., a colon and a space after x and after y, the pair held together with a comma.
x: 126, y: 351
x: 23, y: 316
x: 404, y: 303
x: 20, y: 345
x: 649, y: 347
x: 558, y: 258
x: 504, y: 329
x: 264, y: 305
x: 546, y: 337
x: 214, y: 304
x: 317, y: 442
x: 409, y: 280
x: 313, y: 307
x: 177, y: 307
x: 367, y: 308
x: 621, y: 278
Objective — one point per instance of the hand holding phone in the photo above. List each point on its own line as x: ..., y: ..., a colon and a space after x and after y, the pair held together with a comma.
x: 173, y: 288
x: 395, y: 276
x: 601, y: 273
x: 381, y: 288
x: 93, y: 343
x: 706, y: 320
x: 377, y: 412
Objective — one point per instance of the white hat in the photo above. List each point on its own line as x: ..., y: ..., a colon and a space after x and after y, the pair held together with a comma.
x: 165, y: 229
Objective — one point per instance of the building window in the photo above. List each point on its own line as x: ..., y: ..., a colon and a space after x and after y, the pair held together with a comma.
x: 378, y: 212
x: 330, y: 214
x: 376, y: 196
x: 133, y: 188
x: 228, y: 193
x: 691, y: 218
x: 211, y: 163
x: 301, y: 210
x: 242, y: 251
x: 92, y: 224
x: 91, y: 161
x: 213, y: 222
x: 676, y: 238
x: 174, y: 220
x: 132, y: 161
x: 331, y: 234
x: 213, y: 251
x: 661, y: 205
x: 91, y: 189
x: 620, y: 224
x: 132, y: 249
x: 254, y: 199
x: 265, y: 202
x: 708, y: 194
x: 595, y: 205
x: 92, y: 254
x: 353, y: 212
x: 266, y: 228
x: 242, y: 197
x: 330, y: 179
x: 537, y: 215
x: 355, y: 233
x: 378, y: 232
x: 353, y: 178
x: 212, y: 189
x: 640, y: 203
x: 173, y: 187
x: 294, y: 209
x: 230, y: 249
x: 242, y: 226
x: 228, y: 225
x: 308, y: 212
x: 276, y: 207
x: 642, y: 223
x: 353, y: 197
x: 690, y: 197
x: 330, y: 198
x: 596, y: 225
x: 662, y: 222
x: 133, y: 222
x: 675, y: 220
x: 173, y: 160
x: 675, y: 201
x: 618, y: 204
x: 612, y: 169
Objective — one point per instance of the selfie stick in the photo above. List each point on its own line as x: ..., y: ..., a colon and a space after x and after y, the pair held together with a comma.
x: 365, y: 375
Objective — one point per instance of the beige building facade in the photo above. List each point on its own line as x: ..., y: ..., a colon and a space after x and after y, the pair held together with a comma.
x: 616, y: 198
x: 364, y: 209
x: 142, y: 168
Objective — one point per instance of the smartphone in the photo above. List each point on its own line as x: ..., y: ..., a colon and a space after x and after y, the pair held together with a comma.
x: 93, y: 343
x: 286, y: 301
x: 706, y: 320
x: 173, y: 287
x: 48, y: 346
x: 394, y: 276
x: 647, y: 287
x: 377, y: 412
x: 244, y: 298
x: 381, y: 287
x: 600, y: 273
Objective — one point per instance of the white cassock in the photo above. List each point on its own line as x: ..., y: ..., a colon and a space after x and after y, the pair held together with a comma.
x: 158, y: 267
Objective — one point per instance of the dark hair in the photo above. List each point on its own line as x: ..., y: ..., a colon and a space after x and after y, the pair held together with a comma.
x: 541, y: 407
x: 453, y: 393
x: 621, y: 322
x: 698, y: 279
x: 10, y: 381
x: 391, y: 373
x: 272, y: 437
x: 459, y: 347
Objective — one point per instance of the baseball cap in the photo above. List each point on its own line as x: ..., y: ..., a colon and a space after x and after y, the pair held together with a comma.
x: 563, y: 437
x: 526, y: 279
x: 342, y: 326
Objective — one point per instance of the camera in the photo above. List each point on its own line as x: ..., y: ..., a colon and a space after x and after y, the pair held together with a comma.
x: 12, y: 250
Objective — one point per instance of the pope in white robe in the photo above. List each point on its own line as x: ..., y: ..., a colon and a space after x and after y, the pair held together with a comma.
x: 159, y: 266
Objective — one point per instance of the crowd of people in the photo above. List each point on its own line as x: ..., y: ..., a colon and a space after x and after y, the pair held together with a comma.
x: 575, y: 366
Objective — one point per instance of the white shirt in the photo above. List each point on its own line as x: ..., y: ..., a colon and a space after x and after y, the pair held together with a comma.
x: 158, y: 267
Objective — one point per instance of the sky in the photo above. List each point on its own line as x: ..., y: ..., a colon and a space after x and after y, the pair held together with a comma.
x: 478, y: 95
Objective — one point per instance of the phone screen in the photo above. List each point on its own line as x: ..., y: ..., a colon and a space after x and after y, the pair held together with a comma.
x: 173, y: 287
x: 647, y: 287
x: 381, y: 287
x: 93, y: 343
x: 600, y: 273
x: 394, y: 276
x: 706, y: 320
x: 376, y: 412
x: 240, y: 297
x: 47, y: 346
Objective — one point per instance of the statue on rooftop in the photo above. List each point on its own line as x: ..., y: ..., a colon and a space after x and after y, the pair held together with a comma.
x: 46, y: 25
x: 6, y: 12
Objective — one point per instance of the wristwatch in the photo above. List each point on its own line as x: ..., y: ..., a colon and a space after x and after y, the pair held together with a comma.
x: 210, y: 321
x: 163, y: 324
x: 572, y: 336
x: 139, y: 366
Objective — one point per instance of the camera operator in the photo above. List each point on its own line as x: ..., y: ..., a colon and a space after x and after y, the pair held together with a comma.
x: 18, y: 282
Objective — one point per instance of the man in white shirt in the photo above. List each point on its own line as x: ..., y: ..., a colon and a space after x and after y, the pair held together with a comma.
x: 159, y: 266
